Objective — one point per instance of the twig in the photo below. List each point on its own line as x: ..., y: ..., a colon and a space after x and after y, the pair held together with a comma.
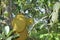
x: 37, y: 22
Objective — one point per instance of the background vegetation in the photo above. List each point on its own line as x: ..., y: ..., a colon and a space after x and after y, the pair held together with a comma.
x: 43, y: 12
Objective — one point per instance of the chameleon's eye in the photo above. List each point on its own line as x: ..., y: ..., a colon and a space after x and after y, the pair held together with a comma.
x: 29, y: 21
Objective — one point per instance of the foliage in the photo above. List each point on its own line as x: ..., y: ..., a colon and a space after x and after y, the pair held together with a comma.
x: 44, y: 13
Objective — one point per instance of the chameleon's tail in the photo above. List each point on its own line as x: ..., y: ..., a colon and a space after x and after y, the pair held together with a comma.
x: 23, y: 35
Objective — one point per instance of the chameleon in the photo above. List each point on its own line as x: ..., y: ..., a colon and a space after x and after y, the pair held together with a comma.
x: 19, y: 24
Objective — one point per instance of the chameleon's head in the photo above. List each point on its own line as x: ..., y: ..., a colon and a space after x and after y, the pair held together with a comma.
x: 29, y: 21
